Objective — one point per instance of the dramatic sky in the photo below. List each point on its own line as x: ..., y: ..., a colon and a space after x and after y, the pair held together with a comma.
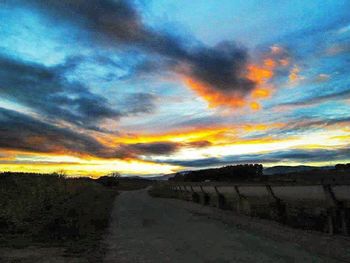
x: 159, y: 86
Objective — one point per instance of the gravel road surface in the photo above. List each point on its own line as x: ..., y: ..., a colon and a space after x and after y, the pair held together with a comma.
x: 146, y: 229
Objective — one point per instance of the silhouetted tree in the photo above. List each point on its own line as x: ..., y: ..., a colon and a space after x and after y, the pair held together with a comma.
x: 109, y: 180
x: 227, y: 173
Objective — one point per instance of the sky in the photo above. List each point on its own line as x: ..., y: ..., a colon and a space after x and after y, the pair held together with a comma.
x: 160, y: 86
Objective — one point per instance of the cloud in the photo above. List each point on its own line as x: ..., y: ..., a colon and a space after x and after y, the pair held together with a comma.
x: 206, y: 162
x: 337, y: 49
x: 199, y: 144
x: 139, y: 103
x: 292, y: 155
x: 138, y: 149
x: 135, y: 150
x: 22, y: 132
x: 220, y: 69
x: 314, y: 155
x: 25, y: 133
x: 250, y: 81
x: 45, y: 90
x: 317, y: 99
x: 303, y: 126
x: 49, y: 93
x: 294, y: 76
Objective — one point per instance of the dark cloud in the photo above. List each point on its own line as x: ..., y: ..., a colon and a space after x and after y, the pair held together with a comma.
x: 25, y: 133
x: 292, y: 155
x: 159, y: 148
x: 48, y: 92
x: 206, y: 162
x: 115, y: 18
x: 314, y: 155
x: 22, y: 132
x: 221, y: 67
x: 118, y: 23
x: 155, y: 148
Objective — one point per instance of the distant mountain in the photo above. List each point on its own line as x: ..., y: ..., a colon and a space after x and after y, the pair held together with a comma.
x: 293, y: 169
x: 166, y: 177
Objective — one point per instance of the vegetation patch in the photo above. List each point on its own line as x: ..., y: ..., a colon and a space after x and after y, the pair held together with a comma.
x: 52, y: 210
x: 162, y: 191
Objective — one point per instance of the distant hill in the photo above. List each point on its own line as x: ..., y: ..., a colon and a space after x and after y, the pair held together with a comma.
x: 275, y: 170
x: 166, y: 177
x: 160, y: 177
x: 293, y: 169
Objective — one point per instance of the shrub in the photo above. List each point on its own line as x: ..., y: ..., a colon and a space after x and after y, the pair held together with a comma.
x: 52, y: 207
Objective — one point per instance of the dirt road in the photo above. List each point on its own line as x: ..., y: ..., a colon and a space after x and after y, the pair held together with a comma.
x: 146, y: 229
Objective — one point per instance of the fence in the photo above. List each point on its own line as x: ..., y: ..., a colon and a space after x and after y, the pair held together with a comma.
x: 323, y: 205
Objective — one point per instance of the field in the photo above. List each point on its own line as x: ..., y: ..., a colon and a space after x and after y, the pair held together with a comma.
x: 50, y: 210
x: 162, y: 191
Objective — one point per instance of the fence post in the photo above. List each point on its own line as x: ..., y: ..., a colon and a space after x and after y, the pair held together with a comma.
x: 336, y: 212
x: 280, y: 206
x: 183, y: 192
x: 221, y: 203
x: 195, y: 196
x: 240, y: 200
x: 187, y: 192
x: 238, y: 192
x: 206, y: 197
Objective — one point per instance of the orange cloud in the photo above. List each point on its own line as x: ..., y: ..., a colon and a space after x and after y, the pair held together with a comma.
x: 190, y: 140
x: 255, y: 106
x: 211, y: 134
x: 261, y: 93
x: 259, y: 73
x: 294, y: 77
x: 214, y: 97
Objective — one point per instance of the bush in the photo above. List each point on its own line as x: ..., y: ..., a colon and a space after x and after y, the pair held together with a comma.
x: 108, y: 181
x: 52, y: 207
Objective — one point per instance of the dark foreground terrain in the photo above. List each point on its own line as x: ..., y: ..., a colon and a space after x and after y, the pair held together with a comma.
x: 45, y: 217
x: 146, y: 229
x: 52, y: 218
x: 59, y: 220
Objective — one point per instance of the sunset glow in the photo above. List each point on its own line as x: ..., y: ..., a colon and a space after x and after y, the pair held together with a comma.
x: 159, y: 91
